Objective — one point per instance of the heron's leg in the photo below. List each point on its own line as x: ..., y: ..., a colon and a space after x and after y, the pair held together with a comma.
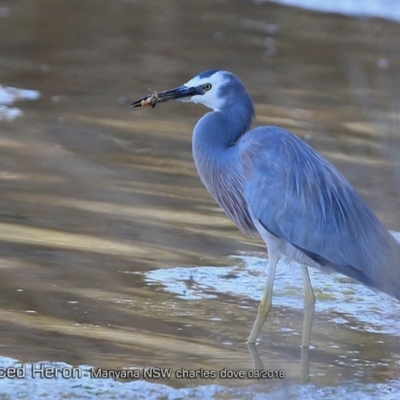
x: 265, y: 304
x: 309, y: 306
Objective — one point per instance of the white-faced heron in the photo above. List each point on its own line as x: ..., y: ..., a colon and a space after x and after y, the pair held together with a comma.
x: 269, y: 181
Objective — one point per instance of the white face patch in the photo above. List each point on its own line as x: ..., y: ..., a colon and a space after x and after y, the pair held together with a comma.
x: 210, y: 98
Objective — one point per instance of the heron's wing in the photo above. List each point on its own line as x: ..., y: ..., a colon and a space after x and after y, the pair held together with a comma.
x: 301, y: 198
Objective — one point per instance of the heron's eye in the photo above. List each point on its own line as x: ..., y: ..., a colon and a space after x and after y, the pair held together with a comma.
x: 207, y: 86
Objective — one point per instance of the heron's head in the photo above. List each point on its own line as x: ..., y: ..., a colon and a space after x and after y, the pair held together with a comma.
x: 215, y: 89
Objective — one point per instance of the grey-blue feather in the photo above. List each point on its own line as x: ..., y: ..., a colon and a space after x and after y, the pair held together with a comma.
x: 301, y: 198
x: 220, y: 169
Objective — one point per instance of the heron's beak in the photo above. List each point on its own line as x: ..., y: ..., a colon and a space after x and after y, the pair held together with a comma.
x: 181, y: 93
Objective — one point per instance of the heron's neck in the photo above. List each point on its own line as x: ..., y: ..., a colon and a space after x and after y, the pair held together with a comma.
x: 217, y: 160
x: 214, y: 142
x: 219, y: 130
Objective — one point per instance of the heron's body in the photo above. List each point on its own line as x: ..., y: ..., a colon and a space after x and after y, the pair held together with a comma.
x: 318, y: 219
x: 268, y: 180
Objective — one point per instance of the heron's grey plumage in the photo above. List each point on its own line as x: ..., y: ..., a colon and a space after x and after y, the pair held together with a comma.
x: 302, y: 199
x: 219, y: 165
x: 269, y: 180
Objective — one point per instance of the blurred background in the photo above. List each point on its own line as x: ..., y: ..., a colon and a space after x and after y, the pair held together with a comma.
x: 95, y: 196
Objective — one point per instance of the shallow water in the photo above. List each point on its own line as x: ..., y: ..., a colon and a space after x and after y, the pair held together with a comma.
x: 113, y: 255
